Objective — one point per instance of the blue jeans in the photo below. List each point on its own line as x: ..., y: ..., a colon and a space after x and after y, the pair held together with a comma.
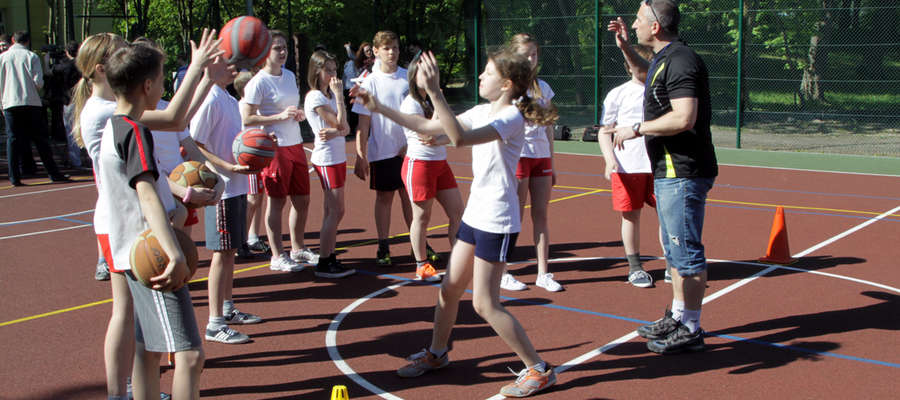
x: 680, y: 204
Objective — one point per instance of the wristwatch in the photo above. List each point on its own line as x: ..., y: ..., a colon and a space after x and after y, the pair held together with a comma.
x: 636, y: 128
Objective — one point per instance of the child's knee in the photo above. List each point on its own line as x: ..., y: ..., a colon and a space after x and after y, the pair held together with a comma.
x: 484, y: 307
x: 192, y: 359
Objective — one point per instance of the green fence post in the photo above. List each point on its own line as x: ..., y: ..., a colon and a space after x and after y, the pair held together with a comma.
x: 740, y: 74
x: 596, y: 62
x: 477, y: 37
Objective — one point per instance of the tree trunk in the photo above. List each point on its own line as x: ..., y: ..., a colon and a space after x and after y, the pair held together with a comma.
x: 86, y: 20
x: 70, y: 20
x: 215, y: 14
x: 811, y: 87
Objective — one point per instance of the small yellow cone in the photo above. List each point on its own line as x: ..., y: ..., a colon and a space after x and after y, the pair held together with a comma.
x: 339, y: 392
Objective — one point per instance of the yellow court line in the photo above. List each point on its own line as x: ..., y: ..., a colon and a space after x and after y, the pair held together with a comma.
x: 589, y: 191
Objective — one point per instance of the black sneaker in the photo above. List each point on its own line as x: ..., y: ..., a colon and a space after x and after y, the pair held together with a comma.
x: 383, y: 259
x: 680, y: 340
x: 659, y: 329
x: 260, y: 246
x: 331, y: 268
x: 431, y: 254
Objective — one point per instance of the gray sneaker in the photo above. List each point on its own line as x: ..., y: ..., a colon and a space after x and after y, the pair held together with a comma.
x: 659, y: 329
x: 226, y: 335
x: 305, y: 256
x: 102, y: 271
x: 284, y: 263
x: 423, y: 362
x: 241, y: 318
x: 640, y: 278
x: 679, y: 340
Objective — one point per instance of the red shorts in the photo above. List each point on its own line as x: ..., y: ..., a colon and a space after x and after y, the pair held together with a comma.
x: 255, y: 182
x: 529, y: 167
x: 424, y: 178
x: 288, y: 173
x: 191, y: 217
x: 103, y: 239
x: 631, y: 191
x: 332, y: 176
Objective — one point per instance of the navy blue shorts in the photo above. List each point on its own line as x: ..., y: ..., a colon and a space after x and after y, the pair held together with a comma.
x: 493, y: 247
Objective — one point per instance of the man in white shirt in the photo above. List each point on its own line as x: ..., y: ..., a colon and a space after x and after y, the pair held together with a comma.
x: 21, y: 77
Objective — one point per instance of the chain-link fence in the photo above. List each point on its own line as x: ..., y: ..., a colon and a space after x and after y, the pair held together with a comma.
x: 814, y: 75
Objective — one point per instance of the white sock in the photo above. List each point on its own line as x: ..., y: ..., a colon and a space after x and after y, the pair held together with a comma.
x: 252, y: 238
x: 677, y: 309
x: 215, y: 323
x: 539, y: 367
x: 691, y: 319
x: 438, y: 353
x: 227, y: 307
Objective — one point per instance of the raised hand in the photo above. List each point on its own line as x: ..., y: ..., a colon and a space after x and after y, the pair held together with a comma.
x: 431, y: 72
x: 621, y: 30
x: 337, y: 87
x: 207, y: 50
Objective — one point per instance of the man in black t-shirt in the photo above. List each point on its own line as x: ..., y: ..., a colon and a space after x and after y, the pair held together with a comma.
x: 676, y: 125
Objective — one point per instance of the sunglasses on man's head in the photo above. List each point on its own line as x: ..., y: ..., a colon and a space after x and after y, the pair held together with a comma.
x: 649, y: 3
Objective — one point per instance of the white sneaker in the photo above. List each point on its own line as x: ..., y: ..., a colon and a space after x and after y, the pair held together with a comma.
x: 305, y: 256
x: 284, y: 263
x: 546, y: 281
x: 509, y: 282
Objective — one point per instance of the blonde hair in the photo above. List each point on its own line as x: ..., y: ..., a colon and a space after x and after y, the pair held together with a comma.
x: 517, y: 43
x: 317, y: 62
x: 95, y: 51
x: 241, y: 81
x: 383, y: 38
x: 516, y: 67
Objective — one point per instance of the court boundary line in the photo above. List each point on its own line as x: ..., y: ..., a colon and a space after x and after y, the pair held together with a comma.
x: 46, y: 191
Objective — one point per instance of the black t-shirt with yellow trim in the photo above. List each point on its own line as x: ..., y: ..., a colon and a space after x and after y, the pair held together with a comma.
x: 678, y: 72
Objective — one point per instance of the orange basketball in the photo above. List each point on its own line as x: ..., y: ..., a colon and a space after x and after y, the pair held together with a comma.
x: 246, y: 42
x: 148, y: 259
x: 194, y: 174
x: 253, y: 147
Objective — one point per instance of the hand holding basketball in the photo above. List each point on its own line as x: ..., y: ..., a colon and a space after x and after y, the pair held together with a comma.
x: 253, y: 148
x: 196, y: 175
x: 154, y: 268
x: 245, y: 42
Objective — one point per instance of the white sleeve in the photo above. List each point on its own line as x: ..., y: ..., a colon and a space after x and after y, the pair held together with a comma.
x: 369, y: 86
x: 509, y: 123
x: 546, y: 91
x: 610, y: 107
x: 314, y: 99
x: 253, y: 92
x: 203, y: 123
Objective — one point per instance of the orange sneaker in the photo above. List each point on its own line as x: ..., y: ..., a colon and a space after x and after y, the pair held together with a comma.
x: 428, y: 273
x: 529, y: 382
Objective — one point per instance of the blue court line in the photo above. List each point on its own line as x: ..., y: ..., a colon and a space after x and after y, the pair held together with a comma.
x: 75, y: 221
x: 642, y: 322
x: 58, y: 217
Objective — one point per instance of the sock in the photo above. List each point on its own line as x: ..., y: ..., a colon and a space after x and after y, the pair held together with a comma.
x: 419, y: 264
x: 383, y: 246
x: 437, y: 353
x: 215, y: 323
x: 227, y: 307
x: 252, y: 238
x: 691, y: 319
x: 677, y: 309
x: 539, y: 367
x: 634, y: 262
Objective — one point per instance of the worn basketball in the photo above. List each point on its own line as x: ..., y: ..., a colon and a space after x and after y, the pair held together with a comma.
x: 148, y: 259
x: 254, y: 148
x: 195, y: 174
x: 246, y: 42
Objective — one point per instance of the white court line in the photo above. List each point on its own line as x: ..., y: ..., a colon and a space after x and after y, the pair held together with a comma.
x: 331, y: 344
x: 46, y: 191
x: 42, y: 232
x: 44, y: 218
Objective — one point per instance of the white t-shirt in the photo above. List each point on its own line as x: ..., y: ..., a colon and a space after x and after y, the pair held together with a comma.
x: 493, y: 204
x: 94, y: 115
x: 215, y: 125
x: 273, y: 94
x: 325, y: 153
x: 414, y: 148
x: 536, y: 143
x: 125, y: 154
x: 386, y: 138
x: 167, y: 145
x: 624, y: 105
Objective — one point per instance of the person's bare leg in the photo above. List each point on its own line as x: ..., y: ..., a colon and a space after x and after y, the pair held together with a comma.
x: 273, y: 224
x: 451, y: 201
x: 383, y: 201
x: 118, y: 346
x: 540, y: 188
x: 145, y: 381
x: 419, y: 228
x: 456, y: 280
x: 186, y: 380
x: 689, y: 289
x: 334, y: 212
x: 297, y: 220
x: 406, y: 206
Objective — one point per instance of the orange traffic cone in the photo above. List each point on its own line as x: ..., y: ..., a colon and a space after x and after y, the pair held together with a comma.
x: 778, y: 251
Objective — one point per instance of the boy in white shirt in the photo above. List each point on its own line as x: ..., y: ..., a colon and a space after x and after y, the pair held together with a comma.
x: 628, y: 169
x: 214, y: 128
x: 381, y: 152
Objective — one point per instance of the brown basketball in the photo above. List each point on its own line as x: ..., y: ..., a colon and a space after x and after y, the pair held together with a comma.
x: 148, y: 259
x: 246, y: 42
x: 195, y: 174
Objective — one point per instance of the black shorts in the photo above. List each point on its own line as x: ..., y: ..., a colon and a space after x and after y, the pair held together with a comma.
x: 385, y: 174
x: 493, y: 247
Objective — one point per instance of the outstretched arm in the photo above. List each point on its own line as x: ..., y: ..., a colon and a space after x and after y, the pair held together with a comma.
x: 416, y: 123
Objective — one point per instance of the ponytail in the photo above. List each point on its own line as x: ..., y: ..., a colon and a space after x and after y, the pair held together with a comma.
x: 535, y: 113
x: 82, y: 92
